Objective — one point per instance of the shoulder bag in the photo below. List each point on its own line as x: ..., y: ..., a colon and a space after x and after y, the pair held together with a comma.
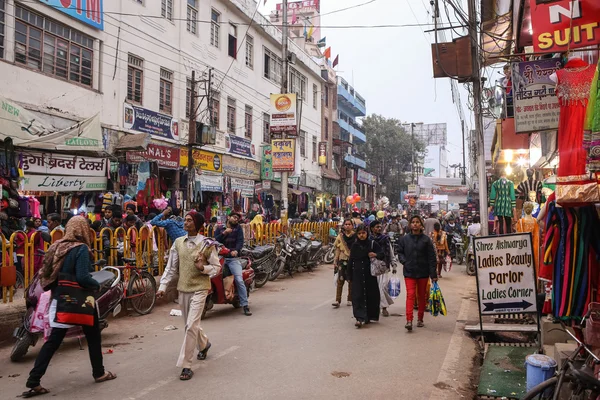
x: 378, y: 267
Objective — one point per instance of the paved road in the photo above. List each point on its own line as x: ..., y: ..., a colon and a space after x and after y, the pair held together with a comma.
x: 291, y: 348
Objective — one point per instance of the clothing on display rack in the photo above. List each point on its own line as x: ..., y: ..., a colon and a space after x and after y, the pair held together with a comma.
x: 592, y: 134
x: 502, y: 199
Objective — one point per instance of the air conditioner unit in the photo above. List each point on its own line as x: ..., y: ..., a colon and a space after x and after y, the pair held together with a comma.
x: 291, y: 57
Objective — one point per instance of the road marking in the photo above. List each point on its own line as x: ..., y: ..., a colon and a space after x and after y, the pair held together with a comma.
x: 451, y: 361
x: 166, y: 381
x: 321, y: 305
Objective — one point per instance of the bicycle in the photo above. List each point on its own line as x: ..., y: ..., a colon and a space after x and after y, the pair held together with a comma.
x: 576, y: 370
x: 140, y: 287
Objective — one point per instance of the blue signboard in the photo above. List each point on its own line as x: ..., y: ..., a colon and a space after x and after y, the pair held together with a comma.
x: 89, y: 12
x: 239, y: 146
x: 143, y: 120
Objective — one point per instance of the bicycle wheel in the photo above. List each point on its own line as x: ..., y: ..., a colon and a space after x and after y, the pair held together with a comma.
x: 141, y: 292
x: 544, y: 390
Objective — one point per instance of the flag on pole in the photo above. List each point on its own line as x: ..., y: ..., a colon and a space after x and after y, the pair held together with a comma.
x: 336, y: 61
x: 322, y: 42
x: 294, y: 17
x: 310, y: 31
x: 305, y: 32
x: 327, y: 53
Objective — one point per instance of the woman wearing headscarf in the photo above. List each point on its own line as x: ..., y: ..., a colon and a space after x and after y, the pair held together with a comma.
x: 365, y: 289
x: 342, y: 245
x: 384, y: 242
x: 70, y: 255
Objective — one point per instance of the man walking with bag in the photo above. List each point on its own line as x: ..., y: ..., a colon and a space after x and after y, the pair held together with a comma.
x: 194, y: 257
x: 417, y: 254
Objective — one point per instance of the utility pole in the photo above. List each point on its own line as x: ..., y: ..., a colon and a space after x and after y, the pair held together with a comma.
x: 464, y: 166
x: 412, y: 150
x: 284, y: 89
x: 191, y: 133
x: 477, y: 99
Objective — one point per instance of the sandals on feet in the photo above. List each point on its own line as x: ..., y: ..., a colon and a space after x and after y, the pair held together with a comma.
x: 108, y: 376
x: 203, y: 353
x: 186, y: 374
x: 36, y: 391
x: 335, y: 305
x: 420, y: 324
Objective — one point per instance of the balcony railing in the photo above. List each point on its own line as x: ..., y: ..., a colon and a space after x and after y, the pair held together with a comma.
x: 347, y: 99
x: 350, y: 128
x: 355, y: 161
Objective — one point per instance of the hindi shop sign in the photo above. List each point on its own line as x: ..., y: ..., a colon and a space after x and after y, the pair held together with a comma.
x: 561, y: 25
x: 156, y: 124
x: 89, y: 12
x: 283, y: 114
x: 282, y: 151
x: 208, y: 161
x: 535, y: 102
x: 239, y: 146
x: 55, y: 183
x: 505, y: 274
x: 244, y: 186
x: 61, y: 164
x: 165, y: 157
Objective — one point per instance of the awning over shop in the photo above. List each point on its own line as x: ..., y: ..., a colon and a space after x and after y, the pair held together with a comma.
x: 30, y: 130
x: 330, y: 174
x: 133, y: 142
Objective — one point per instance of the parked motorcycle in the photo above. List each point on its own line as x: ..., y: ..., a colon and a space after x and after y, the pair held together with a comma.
x: 302, y: 253
x: 217, y: 295
x: 457, y: 247
x: 470, y: 258
x: 108, y: 299
x: 263, y: 260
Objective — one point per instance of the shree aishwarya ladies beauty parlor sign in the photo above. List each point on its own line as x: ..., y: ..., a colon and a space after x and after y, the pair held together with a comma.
x: 505, y: 274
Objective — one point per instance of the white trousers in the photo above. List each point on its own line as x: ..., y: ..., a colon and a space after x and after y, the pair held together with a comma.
x: 192, y: 305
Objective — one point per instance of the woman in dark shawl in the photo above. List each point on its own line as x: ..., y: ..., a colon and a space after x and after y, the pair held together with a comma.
x: 365, y: 289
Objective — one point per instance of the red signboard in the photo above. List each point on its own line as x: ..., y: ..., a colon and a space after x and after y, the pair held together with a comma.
x: 560, y: 25
x: 165, y: 157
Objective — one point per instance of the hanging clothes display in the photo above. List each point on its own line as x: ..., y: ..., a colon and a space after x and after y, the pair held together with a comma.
x: 502, y: 199
x: 573, y: 90
x: 592, y: 134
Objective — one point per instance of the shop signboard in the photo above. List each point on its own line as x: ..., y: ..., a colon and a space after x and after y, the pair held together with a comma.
x: 505, y: 274
x: 322, y: 153
x: 562, y: 25
x: 266, y: 185
x: 365, y: 177
x: 60, y: 183
x: 61, y: 164
x: 241, y: 168
x: 535, y: 103
x: 283, y: 114
x: 210, y: 183
x: 158, y: 125
x: 239, y: 146
x: 208, y: 161
x: 165, y: 157
x: 266, y: 163
x: 283, y: 155
x: 245, y: 186
x: 90, y: 12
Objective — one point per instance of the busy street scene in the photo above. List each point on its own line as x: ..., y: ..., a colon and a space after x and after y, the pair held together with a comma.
x: 315, y: 199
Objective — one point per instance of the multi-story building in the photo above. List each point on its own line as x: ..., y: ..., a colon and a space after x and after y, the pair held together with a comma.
x: 132, y: 65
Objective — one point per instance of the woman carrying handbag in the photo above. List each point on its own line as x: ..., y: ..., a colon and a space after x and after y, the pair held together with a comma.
x: 66, y: 271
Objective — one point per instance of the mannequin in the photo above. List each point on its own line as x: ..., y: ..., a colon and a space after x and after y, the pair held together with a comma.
x: 529, y: 185
x: 503, y: 202
x: 529, y: 224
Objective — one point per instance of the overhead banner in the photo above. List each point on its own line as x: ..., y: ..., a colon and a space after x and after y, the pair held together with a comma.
x: 239, y: 146
x: 561, y: 25
x: 283, y: 114
x: 244, y: 186
x: 89, y: 12
x: 27, y: 129
x: 283, y: 155
x: 536, y: 106
x: 322, y: 153
x: 159, y: 125
x: 61, y: 164
x: 165, y: 157
x: 208, y: 161
x: 505, y: 274
x: 56, y: 183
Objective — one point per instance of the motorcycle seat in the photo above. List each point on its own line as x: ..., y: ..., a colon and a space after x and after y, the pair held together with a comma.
x: 300, y: 246
x: 261, y: 251
x: 103, y: 277
x: 315, y: 245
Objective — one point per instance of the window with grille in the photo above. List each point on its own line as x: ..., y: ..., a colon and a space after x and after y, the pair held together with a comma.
x: 266, y: 128
x: 216, y: 104
x: 232, y: 42
x: 192, y: 16
x: 135, y: 79
x: 297, y: 84
x: 250, y: 52
x: 2, y: 26
x: 315, y: 96
x: 248, y: 122
x: 326, y: 129
x: 302, y: 140
x: 50, y: 47
x: 314, y: 148
x: 215, y: 26
x: 166, y: 9
x: 273, y: 66
x: 166, y: 91
x: 230, y: 115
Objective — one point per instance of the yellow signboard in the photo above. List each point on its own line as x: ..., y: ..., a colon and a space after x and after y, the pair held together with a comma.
x: 208, y: 161
x: 283, y: 155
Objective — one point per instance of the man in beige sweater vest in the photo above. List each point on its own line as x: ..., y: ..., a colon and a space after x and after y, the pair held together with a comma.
x: 193, y: 257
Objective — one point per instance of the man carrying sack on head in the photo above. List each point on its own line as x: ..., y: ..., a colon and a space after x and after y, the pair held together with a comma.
x: 194, y: 257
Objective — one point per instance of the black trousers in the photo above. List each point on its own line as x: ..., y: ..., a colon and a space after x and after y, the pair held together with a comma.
x: 92, y: 335
x: 504, y: 225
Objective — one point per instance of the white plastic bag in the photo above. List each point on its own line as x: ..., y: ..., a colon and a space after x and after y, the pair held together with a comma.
x: 336, y: 276
x: 394, y: 286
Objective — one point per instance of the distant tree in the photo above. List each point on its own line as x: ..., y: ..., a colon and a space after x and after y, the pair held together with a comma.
x: 388, y: 153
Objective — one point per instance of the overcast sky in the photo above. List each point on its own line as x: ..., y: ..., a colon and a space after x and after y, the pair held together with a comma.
x: 391, y: 67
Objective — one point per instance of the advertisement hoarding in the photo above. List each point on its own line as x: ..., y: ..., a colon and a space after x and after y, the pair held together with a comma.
x: 283, y: 153
x: 283, y: 114
x: 159, y: 125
